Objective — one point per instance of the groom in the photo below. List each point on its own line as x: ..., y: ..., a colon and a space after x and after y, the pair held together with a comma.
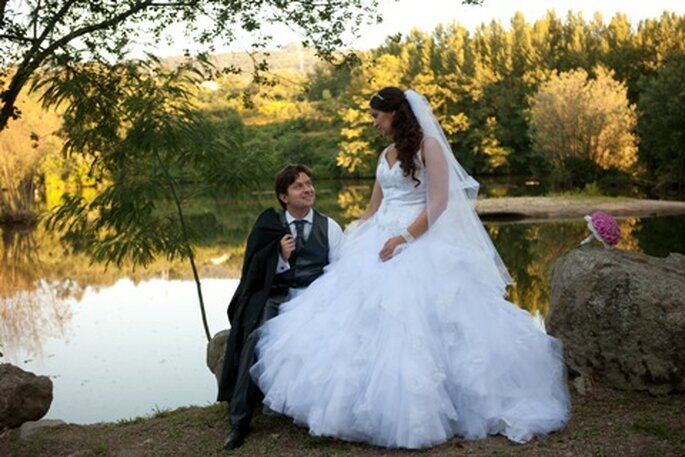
x: 286, y: 250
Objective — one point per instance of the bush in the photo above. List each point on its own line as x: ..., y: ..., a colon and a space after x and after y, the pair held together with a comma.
x: 575, y: 172
x: 582, y: 126
x: 661, y: 125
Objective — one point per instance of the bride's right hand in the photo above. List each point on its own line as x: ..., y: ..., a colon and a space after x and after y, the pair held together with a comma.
x: 390, y: 246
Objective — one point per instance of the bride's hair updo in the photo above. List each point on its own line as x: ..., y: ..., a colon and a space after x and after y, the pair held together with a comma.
x: 406, y: 131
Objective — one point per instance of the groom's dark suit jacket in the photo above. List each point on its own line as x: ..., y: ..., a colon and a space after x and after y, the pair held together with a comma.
x: 247, y: 304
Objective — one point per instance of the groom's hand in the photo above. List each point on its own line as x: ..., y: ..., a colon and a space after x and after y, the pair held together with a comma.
x: 390, y: 246
x: 287, y: 246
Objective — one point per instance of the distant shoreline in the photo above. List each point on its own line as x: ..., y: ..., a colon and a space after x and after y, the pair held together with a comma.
x: 536, y: 209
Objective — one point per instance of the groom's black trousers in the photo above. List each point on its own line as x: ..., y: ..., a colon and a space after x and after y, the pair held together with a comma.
x: 246, y: 393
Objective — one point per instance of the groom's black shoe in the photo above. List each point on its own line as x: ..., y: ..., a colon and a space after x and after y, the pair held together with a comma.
x: 236, y: 438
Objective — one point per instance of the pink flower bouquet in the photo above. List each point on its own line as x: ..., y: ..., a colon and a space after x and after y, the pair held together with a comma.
x: 603, y: 228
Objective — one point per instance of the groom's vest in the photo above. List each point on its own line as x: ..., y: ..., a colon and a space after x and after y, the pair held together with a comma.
x: 307, y: 263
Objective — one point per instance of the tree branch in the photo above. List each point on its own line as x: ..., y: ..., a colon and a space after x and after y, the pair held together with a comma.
x: 51, y: 25
x: 176, y: 4
x: 34, y: 58
x: 3, y: 5
x: 15, y: 38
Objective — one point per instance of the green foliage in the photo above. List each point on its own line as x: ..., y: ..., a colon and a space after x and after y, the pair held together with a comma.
x: 23, y: 152
x: 574, y: 172
x: 480, y: 85
x: 360, y: 143
x: 297, y: 141
x: 661, y: 126
x: 583, y: 125
x: 63, y: 34
x: 138, y: 126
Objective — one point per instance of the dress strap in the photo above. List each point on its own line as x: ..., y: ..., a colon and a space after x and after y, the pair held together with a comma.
x: 384, y: 153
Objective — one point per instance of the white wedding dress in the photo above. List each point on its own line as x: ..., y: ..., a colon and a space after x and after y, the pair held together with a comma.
x: 409, y: 352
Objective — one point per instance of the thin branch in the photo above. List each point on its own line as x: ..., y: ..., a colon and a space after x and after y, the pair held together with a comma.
x: 3, y: 5
x: 16, y: 38
x: 35, y: 20
x: 186, y: 239
x: 92, y: 28
x: 50, y: 25
x: 33, y: 60
x: 176, y: 4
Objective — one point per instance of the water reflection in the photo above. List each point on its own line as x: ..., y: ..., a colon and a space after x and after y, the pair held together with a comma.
x: 31, y: 308
x: 129, y: 349
x: 530, y: 250
x: 19, y: 257
x: 28, y: 318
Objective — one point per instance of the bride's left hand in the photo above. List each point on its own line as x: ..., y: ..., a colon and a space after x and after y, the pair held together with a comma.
x: 389, y: 247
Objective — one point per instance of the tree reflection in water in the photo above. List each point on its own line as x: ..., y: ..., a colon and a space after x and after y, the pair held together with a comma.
x: 36, y: 294
x: 530, y: 251
x: 31, y: 308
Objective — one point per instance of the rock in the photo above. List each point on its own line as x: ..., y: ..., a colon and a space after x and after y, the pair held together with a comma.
x: 582, y: 385
x: 621, y: 317
x: 30, y: 428
x: 23, y: 396
x: 216, y: 350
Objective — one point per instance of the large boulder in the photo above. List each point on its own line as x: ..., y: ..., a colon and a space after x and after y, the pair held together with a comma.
x: 621, y: 317
x: 216, y: 351
x: 23, y: 396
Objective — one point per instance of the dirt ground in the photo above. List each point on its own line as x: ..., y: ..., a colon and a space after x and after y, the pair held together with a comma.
x: 604, y: 423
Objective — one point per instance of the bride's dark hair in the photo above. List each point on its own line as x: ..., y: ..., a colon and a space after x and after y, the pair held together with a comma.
x: 406, y: 131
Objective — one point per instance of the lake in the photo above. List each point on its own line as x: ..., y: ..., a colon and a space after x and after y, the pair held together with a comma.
x: 121, y: 343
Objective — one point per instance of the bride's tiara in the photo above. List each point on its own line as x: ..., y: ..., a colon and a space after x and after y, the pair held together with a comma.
x: 377, y: 95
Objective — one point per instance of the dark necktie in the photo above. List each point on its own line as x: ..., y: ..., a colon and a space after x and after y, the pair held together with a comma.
x: 299, y: 231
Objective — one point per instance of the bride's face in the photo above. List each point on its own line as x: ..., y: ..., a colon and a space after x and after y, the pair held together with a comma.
x: 382, y: 121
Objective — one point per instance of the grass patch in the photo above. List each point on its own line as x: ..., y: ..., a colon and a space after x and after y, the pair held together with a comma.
x: 590, y: 190
x: 160, y: 413
x: 646, y: 427
x: 189, y: 414
x: 675, y: 436
x: 100, y: 449
x: 660, y: 430
x: 131, y: 421
x: 586, y: 433
x: 499, y: 454
x: 654, y: 453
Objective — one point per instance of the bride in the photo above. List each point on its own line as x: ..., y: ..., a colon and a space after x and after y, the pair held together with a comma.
x: 407, y: 340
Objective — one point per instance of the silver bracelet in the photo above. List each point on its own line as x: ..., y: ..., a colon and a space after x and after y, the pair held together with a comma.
x: 408, y: 237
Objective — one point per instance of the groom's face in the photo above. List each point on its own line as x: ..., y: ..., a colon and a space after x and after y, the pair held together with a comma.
x: 301, y: 193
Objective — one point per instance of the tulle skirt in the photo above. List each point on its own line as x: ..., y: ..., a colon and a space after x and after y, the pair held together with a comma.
x: 410, y: 352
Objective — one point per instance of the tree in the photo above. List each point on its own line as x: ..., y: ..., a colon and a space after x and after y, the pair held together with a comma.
x: 135, y: 121
x: 22, y: 150
x: 360, y: 144
x: 660, y: 124
x: 574, y: 118
x: 59, y: 34
x: 137, y: 125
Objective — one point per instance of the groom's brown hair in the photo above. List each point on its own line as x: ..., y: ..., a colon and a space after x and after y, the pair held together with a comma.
x: 286, y: 177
